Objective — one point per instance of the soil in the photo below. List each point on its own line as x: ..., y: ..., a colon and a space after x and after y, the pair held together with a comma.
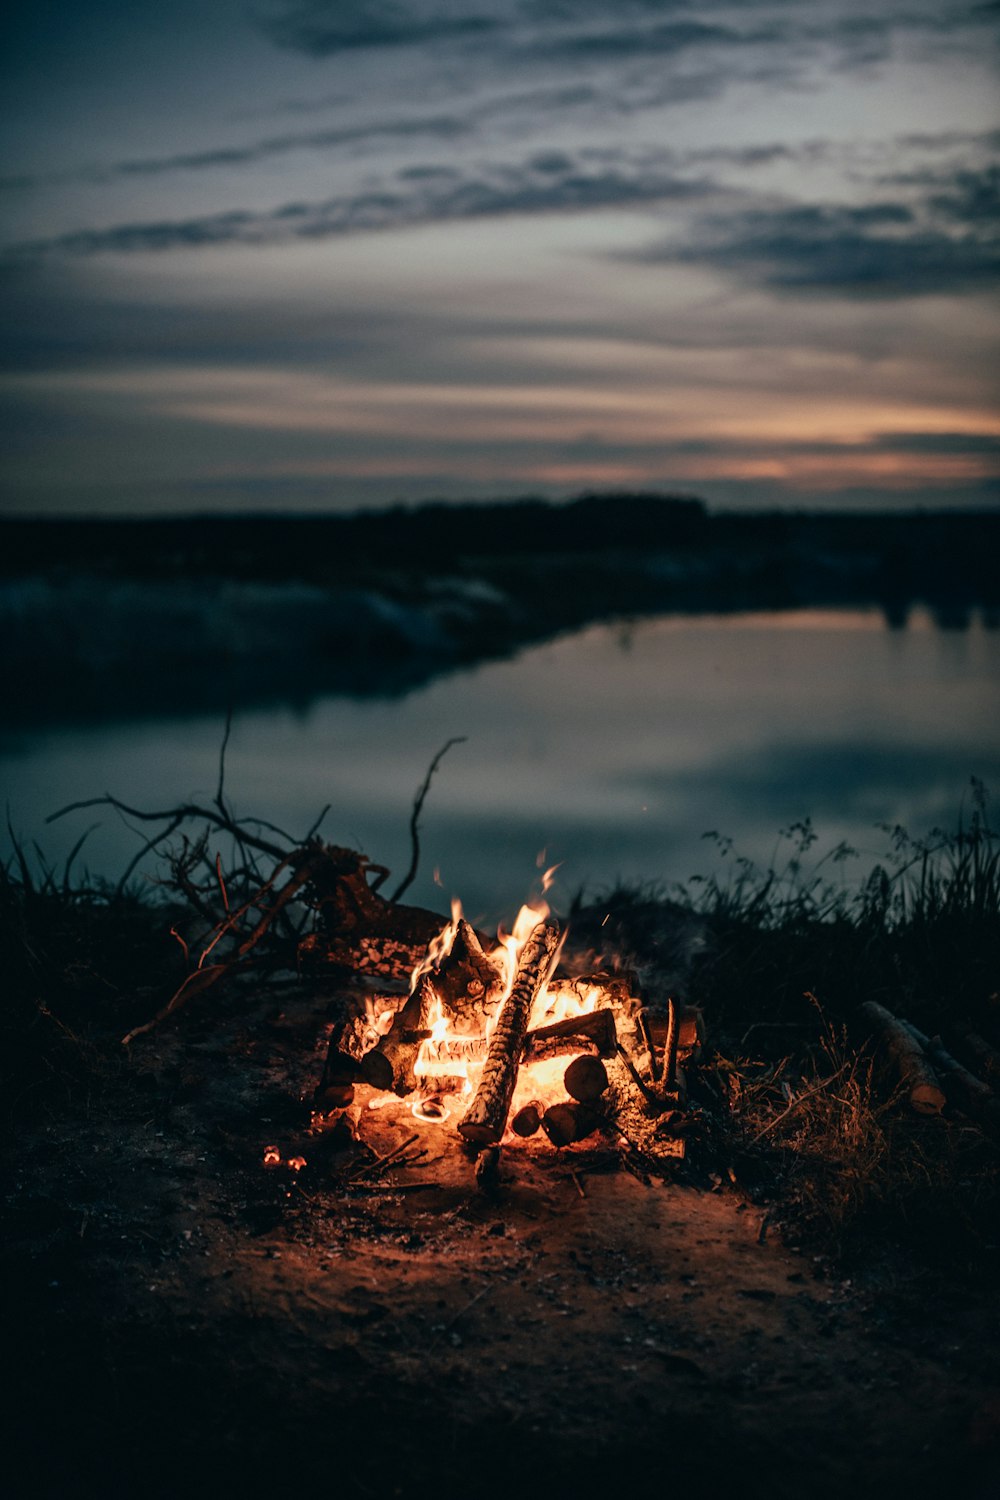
x: 184, y: 1321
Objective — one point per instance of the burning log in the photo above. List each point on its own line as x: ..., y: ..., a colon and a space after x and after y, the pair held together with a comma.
x: 486, y: 1117
x: 586, y: 1078
x: 925, y: 1092
x: 595, y: 1030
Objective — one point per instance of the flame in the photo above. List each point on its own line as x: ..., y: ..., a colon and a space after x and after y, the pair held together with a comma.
x: 449, y: 1064
x: 439, y: 947
x: 295, y: 1163
x: 272, y: 1156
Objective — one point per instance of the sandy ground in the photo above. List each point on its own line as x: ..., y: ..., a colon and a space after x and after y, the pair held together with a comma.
x: 182, y: 1321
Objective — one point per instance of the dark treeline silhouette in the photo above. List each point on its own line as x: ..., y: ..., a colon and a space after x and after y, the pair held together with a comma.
x: 120, y: 617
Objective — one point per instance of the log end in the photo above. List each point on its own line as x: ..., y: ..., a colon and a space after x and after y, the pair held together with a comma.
x: 927, y: 1099
x: 479, y: 1134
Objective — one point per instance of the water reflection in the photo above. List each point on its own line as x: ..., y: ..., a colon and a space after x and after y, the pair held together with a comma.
x: 615, y: 749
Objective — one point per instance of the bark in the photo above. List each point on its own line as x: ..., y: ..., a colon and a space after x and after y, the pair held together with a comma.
x: 925, y: 1092
x: 596, y: 1028
x: 969, y: 1093
x: 486, y: 1117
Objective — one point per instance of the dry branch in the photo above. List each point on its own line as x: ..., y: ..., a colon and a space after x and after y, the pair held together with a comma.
x: 925, y: 1092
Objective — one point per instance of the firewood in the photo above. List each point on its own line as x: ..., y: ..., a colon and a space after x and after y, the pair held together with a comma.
x: 597, y: 1027
x: 586, y: 1078
x: 566, y: 1123
x: 486, y: 1117
x: 925, y: 1092
x: 376, y: 1069
x: 985, y: 1055
x: 468, y: 979
x: 527, y: 1120
x: 972, y: 1096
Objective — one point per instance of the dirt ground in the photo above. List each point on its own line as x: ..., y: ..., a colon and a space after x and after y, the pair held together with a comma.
x: 182, y: 1321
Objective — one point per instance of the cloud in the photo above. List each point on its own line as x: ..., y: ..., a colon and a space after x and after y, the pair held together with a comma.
x: 320, y: 29
x: 442, y: 127
x: 548, y: 182
x: 946, y: 243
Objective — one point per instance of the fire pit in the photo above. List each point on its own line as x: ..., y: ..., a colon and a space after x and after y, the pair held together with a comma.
x: 498, y: 1045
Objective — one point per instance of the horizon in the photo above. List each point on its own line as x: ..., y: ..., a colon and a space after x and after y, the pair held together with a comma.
x: 328, y: 256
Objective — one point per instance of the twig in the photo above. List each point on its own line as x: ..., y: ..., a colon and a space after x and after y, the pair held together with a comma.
x: 418, y: 804
x: 383, y: 1161
x: 801, y: 1098
x: 643, y: 1088
x: 220, y: 804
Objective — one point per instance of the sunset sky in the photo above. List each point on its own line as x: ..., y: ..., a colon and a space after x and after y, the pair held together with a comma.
x: 309, y: 253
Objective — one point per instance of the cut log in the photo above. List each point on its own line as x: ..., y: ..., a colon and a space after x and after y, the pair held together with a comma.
x: 926, y: 1095
x: 566, y: 1123
x: 969, y: 1093
x: 486, y: 1117
x: 527, y: 1120
x: 586, y: 1078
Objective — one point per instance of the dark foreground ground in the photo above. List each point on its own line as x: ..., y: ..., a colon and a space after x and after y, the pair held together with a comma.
x: 181, y: 1321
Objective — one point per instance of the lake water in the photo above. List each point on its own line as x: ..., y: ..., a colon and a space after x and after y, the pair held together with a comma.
x: 613, y: 751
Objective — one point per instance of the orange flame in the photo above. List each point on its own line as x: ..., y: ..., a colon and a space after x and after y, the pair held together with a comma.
x: 272, y: 1156
x: 451, y: 1063
x: 439, y: 947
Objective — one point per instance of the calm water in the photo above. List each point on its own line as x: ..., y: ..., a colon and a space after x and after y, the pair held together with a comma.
x: 613, y: 750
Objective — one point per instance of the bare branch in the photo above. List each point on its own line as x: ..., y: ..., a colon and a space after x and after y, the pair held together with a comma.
x: 418, y: 804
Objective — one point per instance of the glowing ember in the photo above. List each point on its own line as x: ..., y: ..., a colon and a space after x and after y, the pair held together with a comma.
x: 272, y: 1156
x: 433, y: 1109
x: 296, y: 1163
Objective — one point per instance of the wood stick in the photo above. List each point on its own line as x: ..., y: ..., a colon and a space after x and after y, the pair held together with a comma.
x: 486, y: 1118
x: 669, y: 1074
x: 926, y: 1095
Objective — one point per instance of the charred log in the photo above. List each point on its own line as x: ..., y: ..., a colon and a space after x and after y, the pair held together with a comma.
x: 486, y: 1117
x: 597, y: 1029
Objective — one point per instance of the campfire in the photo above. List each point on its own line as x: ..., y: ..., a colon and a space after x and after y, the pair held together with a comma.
x: 498, y: 1045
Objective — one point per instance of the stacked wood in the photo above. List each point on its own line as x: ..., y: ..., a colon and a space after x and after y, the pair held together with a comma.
x: 926, y: 1095
x: 969, y: 1093
x: 486, y: 1118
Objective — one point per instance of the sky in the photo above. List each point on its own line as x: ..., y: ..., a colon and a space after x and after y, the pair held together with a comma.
x: 312, y: 254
